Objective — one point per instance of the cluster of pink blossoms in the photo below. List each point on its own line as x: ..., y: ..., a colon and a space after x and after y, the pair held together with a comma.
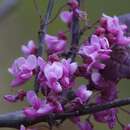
x: 56, y: 76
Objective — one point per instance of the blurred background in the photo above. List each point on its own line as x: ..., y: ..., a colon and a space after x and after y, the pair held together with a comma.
x: 21, y: 24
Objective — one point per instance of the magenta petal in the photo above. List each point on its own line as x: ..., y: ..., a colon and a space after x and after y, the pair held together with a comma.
x: 55, y: 44
x: 83, y: 93
x: 97, y: 78
x: 22, y: 127
x: 10, y: 98
x: 27, y: 75
x: 17, y: 82
x: 41, y: 63
x: 45, y: 109
x: 66, y: 16
x: 58, y: 87
x: 31, y: 62
x: 33, y: 99
x: 30, y: 112
x: 123, y: 40
x: 73, y: 67
x: 85, y: 126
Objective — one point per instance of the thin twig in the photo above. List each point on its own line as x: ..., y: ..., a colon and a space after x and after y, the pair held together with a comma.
x: 57, y: 14
x: 119, y: 122
x: 44, y: 26
x: 15, y: 119
x: 42, y: 32
x: 37, y: 8
x: 75, y: 31
x: 86, y: 27
x: 124, y: 110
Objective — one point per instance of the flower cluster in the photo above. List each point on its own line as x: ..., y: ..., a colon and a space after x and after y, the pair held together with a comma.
x: 56, y: 76
x: 113, y: 30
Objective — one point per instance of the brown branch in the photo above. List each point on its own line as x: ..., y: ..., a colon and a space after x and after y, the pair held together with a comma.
x: 42, y: 32
x: 15, y: 119
x: 57, y: 14
x: 44, y: 26
x: 75, y: 32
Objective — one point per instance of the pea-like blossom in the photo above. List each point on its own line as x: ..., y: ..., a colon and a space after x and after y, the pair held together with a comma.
x: 10, y: 98
x: 69, y: 68
x: 54, y: 72
x: 39, y: 107
x: 85, y: 126
x: 97, y: 79
x: 66, y: 16
x: 29, y: 48
x: 22, y: 69
x: 55, y: 44
x: 115, y: 30
x: 106, y: 116
x: 95, y: 52
x: 73, y: 4
x: 57, y: 75
x: 83, y: 94
x: 14, y: 98
x: 107, y: 88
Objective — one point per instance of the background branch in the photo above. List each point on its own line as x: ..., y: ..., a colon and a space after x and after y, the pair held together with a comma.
x: 7, y: 6
x: 15, y: 119
x: 42, y: 31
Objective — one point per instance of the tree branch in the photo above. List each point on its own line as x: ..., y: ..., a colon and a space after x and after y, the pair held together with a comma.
x: 44, y: 26
x: 75, y: 31
x: 15, y: 119
x: 43, y: 30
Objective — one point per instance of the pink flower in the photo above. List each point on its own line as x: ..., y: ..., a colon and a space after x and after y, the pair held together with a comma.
x: 73, y: 4
x: 54, y: 72
x: 116, y: 30
x: 10, y: 98
x: 69, y: 68
x: 123, y: 40
x: 22, y: 69
x: 95, y: 52
x: 14, y: 98
x: 57, y: 75
x: 55, y: 44
x: 97, y: 79
x: 85, y: 126
x: 83, y: 94
x: 107, y: 116
x: 66, y: 17
x: 39, y: 107
x: 29, y: 48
